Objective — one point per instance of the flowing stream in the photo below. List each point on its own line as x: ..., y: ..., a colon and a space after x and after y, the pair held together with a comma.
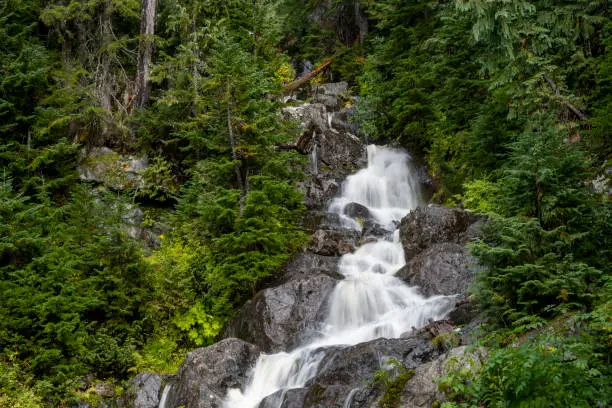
x: 370, y: 302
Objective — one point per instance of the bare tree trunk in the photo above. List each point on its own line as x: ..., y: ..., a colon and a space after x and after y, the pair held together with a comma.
x: 232, y: 141
x: 196, y: 59
x: 104, y: 77
x: 145, y: 53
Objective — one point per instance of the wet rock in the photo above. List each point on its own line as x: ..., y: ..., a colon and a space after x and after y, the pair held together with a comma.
x: 207, y: 373
x: 465, y: 311
x: 306, y: 264
x: 441, y: 269
x: 356, y: 210
x: 430, y: 225
x: 294, y: 398
x: 338, y: 151
x: 319, y: 190
x: 475, y: 230
x: 346, y: 374
x: 330, y: 94
x: 334, y: 242
x: 275, y: 317
x: 341, y: 151
x: 143, y: 392
x: 373, y: 229
x: 315, y: 220
x: 421, y: 390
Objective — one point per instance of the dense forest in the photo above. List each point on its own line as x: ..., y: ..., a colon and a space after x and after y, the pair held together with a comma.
x: 509, y: 104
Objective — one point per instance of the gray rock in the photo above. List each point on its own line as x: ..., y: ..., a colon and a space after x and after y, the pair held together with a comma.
x: 294, y: 398
x: 346, y: 374
x: 441, y: 269
x: 339, y: 151
x: 275, y: 317
x: 342, y: 151
x: 319, y: 190
x: 356, y: 210
x: 310, y: 116
x: 339, y: 121
x: 306, y: 264
x: 334, y: 242
x: 105, y: 166
x: 206, y: 374
x: 465, y: 312
x: 421, y: 390
x: 430, y: 225
x: 330, y: 101
x: 104, y: 390
x: 143, y: 392
x: 315, y: 220
x: 331, y: 88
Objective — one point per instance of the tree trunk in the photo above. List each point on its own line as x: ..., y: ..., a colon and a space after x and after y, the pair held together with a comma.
x: 104, y: 77
x: 232, y: 141
x: 145, y: 53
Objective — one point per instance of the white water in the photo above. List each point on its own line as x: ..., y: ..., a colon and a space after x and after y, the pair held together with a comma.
x: 370, y: 302
x: 164, y: 397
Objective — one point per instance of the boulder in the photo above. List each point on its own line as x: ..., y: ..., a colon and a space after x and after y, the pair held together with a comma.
x: 421, y: 390
x: 330, y: 88
x: 105, y: 166
x: 293, y: 398
x: 142, y: 392
x: 305, y: 264
x: 207, y: 373
x: 334, y: 242
x: 342, y: 151
x: 325, y: 130
x: 330, y: 101
x: 314, y: 220
x: 430, y: 225
x: 441, y: 269
x: 275, y: 317
x: 309, y: 116
x: 318, y: 190
x: 104, y: 390
x: 346, y: 374
x: 356, y: 210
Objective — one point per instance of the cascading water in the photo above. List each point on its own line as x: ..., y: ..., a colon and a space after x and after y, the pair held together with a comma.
x: 370, y: 302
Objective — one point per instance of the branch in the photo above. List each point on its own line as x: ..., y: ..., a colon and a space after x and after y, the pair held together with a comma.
x: 581, y: 115
x: 292, y: 86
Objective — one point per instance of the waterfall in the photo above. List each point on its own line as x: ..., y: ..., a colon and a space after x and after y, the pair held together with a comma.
x: 313, y: 154
x: 370, y: 302
x: 164, y: 396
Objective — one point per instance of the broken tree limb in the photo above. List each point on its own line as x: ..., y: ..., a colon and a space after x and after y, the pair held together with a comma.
x: 292, y: 86
x: 581, y: 115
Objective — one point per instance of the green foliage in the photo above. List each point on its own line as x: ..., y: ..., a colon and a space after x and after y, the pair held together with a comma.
x: 508, y: 101
x: 391, y: 380
x: 529, y: 270
x: 16, y: 389
x: 445, y: 341
x: 70, y: 287
x: 159, y: 182
x: 551, y: 369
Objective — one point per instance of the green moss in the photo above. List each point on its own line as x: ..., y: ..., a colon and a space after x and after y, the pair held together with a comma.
x: 392, y: 382
x: 318, y: 393
x: 445, y: 341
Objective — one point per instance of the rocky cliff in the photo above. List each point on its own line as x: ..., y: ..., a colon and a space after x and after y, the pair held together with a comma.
x: 290, y: 312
